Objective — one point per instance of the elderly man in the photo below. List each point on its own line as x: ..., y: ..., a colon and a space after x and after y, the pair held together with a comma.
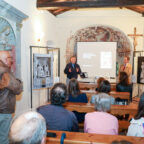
x: 58, y: 118
x: 28, y: 128
x: 9, y: 88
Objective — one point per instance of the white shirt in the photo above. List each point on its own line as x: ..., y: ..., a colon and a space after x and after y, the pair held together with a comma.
x: 136, y: 128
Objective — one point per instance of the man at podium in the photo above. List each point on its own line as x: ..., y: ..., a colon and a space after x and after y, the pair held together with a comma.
x: 72, y: 69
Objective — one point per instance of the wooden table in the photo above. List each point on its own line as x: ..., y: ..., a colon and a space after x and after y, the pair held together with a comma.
x: 85, y: 138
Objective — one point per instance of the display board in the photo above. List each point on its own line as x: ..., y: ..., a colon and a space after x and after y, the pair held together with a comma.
x: 97, y: 58
x: 42, y: 70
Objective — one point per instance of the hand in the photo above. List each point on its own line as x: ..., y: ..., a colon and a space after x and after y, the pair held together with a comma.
x: 70, y: 70
x: 77, y: 69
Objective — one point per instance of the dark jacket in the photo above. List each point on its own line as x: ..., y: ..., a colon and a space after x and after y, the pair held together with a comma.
x: 74, y: 73
x: 124, y: 88
x: 9, y: 88
x: 58, y: 118
x: 82, y: 98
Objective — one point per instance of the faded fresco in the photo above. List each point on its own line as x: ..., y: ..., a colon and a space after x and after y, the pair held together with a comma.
x: 99, y: 33
x: 8, y: 41
x: 42, y: 71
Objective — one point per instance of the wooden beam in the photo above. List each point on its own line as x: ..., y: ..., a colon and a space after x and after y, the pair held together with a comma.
x: 88, y: 3
x: 137, y: 9
x: 58, y: 11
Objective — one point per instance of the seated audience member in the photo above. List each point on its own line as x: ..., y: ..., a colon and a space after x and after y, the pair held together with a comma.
x: 28, y: 128
x: 74, y: 92
x: 76, y: 96
x: 100, y: 121
x: 99, y: 82
x: 58, y: 118
x: 136, y: 127
x: 123, y: 85
x: 104, y: 87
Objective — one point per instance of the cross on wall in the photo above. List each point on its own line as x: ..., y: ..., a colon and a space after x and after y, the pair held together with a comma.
x: 134, y: 37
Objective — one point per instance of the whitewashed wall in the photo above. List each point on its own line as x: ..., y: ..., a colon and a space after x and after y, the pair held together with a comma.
x: 122, y: 19
x: 58, y: 29
x: 38, y: 21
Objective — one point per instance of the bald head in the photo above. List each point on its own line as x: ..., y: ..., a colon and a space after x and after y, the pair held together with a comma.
x: 28, y: 128
x: 6, y: 58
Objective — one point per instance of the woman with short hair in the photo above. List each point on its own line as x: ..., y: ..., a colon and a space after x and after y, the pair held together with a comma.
x: 136, y: 127
x: 100, y: 121
x: 104, y: 87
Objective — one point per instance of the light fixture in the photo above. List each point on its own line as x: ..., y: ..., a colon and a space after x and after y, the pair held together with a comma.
x: 39, y: 34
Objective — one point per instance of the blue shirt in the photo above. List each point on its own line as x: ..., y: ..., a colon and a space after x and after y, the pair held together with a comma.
x: 80, y: 98
x: 73, y: 65
x: 58, y: 118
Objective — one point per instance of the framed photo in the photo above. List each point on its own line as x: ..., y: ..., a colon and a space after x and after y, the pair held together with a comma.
x: 42, y: 71
x: 140, y: 70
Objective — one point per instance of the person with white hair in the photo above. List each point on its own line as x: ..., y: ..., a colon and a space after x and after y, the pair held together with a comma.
x: 100, y: 121
x: 10, y: 86
x: 28, y: 128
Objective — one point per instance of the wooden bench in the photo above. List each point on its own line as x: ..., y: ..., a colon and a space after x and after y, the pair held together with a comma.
x: 130, y: 109
x: 121, y: 95
x: 92, y: 86
x: 87, y: 86
x: 123, y: 125
x: 115, y: 109
x: 85, y: 138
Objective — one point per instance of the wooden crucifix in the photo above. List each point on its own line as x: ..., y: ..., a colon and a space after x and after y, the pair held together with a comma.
x: 134, y: 37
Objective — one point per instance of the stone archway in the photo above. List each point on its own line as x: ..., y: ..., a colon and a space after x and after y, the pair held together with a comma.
x: 99, y: 33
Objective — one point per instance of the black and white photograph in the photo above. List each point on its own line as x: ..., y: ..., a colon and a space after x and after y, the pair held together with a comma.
x: 140, y: 74
x: 42, y: 70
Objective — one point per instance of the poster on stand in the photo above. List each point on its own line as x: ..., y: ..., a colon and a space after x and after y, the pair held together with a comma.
x: 42, y: 71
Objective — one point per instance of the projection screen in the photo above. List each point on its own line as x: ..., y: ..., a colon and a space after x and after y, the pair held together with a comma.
x: 97, y: 58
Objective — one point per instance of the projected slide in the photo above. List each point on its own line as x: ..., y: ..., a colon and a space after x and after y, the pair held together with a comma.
x: 106, y: 60
x: 97, y: 58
